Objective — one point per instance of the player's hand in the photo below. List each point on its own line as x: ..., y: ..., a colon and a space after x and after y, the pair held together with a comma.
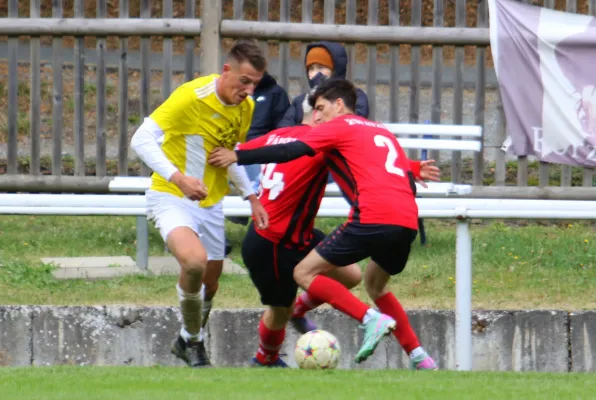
x: 222, y: 157
x: 193, y: 188
x: 258, y: 212
x: 429, y: 172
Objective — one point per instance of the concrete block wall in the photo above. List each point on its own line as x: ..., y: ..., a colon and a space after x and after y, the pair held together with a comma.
x: 525, y: 340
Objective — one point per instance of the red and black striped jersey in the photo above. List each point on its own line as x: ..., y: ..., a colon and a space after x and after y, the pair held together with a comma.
x: 291, y: 192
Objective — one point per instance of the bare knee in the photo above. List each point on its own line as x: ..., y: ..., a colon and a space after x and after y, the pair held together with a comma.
x: 188, y: 250
x: 303, y: 276
x: 193, y: 263
x: 311, y: 266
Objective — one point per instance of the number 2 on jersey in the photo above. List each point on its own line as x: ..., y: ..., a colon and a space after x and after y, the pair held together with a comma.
x: 383, y: 141
x: 274, y: 181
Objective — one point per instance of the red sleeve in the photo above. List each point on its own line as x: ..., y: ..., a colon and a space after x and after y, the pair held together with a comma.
x: 415, y: 168
x: 254, y: 143
x: 321, y: 138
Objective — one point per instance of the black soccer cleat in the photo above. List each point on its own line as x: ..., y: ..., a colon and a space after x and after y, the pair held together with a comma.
x: 192, y: 353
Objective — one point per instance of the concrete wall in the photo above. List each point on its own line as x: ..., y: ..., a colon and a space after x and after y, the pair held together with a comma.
x: 541, y: 340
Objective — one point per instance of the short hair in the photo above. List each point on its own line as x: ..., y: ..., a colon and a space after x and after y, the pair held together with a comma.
x: 333, y: 89
x: 247, y: 50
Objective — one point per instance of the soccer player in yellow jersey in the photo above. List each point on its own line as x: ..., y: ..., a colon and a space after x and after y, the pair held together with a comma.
x: 185, y: 198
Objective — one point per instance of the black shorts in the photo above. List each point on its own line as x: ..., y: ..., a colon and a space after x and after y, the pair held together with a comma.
x: 387, y: 245
x: 271, y: 267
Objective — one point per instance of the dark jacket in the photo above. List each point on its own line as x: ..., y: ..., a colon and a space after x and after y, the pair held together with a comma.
x: 338, y: 53
x: 271, y: 103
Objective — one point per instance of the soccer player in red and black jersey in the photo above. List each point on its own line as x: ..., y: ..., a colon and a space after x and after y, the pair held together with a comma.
x: 291, y: 193
x: 369, y: 165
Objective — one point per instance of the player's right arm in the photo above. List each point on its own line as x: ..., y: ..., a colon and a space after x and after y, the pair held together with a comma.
x: 415, y: 168
x: 315, y: 140
x: 278, y: 153
x: 145, y: 142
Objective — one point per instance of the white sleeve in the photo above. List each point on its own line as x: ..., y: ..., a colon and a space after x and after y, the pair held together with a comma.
x: 145, y: 143
x: 239, y: 178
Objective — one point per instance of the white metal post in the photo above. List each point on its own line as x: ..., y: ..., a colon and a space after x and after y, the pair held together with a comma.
x: 142, y: 243
x: 463, y: 297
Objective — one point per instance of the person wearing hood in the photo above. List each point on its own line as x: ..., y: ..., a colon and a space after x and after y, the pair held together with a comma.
x: 323, y: 60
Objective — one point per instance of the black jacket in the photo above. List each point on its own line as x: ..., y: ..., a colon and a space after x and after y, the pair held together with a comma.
x: 294, y: 114
x: 271, y: 103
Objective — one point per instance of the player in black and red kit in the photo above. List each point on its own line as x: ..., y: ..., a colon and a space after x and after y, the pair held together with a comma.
x: 291, y: 193
x: 371, y: 167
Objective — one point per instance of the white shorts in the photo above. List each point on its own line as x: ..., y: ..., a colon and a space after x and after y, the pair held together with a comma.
x: 170, y: 212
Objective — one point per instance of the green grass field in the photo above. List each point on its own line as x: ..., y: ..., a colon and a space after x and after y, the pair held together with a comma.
x: 132, y: 383
x: 514, y: 266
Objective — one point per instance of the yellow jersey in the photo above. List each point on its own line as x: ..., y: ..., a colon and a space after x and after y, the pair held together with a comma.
x: 195, y: 121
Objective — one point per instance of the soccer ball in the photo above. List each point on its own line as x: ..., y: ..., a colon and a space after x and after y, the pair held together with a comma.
x: 317, y: 350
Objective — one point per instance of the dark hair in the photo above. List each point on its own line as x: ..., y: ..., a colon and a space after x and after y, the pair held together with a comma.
x: 333, y: 89
x: 246, y: 50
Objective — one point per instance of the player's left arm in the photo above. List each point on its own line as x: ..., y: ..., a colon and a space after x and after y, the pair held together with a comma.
x: 425, y: 171
x: 239, y: 179
x: 415, y: 168
x: 238, y: 176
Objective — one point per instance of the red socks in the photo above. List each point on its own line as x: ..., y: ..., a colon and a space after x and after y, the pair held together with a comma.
x: 404, y: 333
x: 335, y: 294
x: 304, y: 303
x: 269, y: 344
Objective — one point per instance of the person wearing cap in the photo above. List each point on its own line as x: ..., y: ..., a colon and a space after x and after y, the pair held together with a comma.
x: 323, y: 60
